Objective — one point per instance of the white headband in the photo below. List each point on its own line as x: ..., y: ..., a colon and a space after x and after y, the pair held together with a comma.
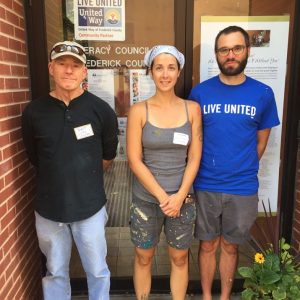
x: 156, y: 50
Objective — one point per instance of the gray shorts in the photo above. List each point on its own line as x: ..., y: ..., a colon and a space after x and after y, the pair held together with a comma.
x: 231, y: 216
x: 147, y: 220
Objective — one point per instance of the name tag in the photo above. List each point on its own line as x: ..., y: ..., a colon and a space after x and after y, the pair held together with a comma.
x: 180, y: 138
x: 83, y: 131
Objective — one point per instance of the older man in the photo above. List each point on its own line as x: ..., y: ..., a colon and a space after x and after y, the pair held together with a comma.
x: 71, y: 136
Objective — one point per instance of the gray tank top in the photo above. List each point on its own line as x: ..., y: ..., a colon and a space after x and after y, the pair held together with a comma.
x: 165, y: 154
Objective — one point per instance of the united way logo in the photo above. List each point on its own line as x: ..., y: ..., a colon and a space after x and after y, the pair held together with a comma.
x: 89, y: 16
x: 112, y: 17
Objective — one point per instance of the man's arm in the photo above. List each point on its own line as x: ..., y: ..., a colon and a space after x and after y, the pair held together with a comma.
x: 109, y: 136
x: 106, y: 163
x: 28, y: 137
x: 262, y: 140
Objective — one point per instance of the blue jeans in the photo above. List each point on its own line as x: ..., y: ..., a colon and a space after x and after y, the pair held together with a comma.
x: 55, y: 241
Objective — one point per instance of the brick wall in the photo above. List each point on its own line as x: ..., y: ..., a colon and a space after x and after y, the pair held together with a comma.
x: 296, y: 219
x: 20, y: 260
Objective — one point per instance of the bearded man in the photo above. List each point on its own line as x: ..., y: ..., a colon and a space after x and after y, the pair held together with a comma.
x: 238, y: 114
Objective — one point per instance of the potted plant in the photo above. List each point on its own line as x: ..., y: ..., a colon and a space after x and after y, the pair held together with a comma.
x: 274, y: 272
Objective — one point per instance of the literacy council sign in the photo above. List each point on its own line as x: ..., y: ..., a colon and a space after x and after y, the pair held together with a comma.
x: 99, y: 20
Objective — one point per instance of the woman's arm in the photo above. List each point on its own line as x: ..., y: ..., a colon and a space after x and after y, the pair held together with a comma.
x: 172, y: 207
x: 135, y: 122
x: 194, y: 151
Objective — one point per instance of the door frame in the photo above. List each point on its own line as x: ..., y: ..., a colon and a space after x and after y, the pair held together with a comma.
x: 292, y: 133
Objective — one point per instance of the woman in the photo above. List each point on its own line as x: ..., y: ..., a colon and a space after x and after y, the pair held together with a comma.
x: 164, y: 143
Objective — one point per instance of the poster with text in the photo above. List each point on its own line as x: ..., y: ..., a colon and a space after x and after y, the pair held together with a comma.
x: 121, y: 151
x: 99, y: 20
x: 101, y: 83
x: 267, y: 63
x: 142, y: 86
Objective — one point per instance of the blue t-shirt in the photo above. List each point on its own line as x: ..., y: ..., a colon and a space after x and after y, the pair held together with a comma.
x: 232, y: 115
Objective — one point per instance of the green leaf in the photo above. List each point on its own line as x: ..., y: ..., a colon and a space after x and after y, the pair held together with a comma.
x: 265, y: 297
x: 257, y: 267
x: 295, y: 290
x: 246, y: 272
x: 248, y: 294
x: 285, y: 246
x: 269, y: 277
x: 289, y: 268
x: 272, y: 262
x: 282, y: 241
x: 279, y: 295
x: 250, y: 283
x: 287, y: 279
x: 297, y: 278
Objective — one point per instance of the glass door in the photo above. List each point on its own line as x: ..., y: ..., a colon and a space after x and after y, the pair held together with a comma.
x: 116, y: 74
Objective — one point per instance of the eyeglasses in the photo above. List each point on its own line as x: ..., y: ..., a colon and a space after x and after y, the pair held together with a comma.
x: 236, y: 50
x: 64, y: 48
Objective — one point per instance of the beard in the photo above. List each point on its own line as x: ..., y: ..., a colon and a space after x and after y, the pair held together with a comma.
x: 233, y: 71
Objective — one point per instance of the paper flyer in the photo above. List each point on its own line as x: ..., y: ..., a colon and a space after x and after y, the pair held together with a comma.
x: 121, y: 151
x: 142, y: 86
x: 101, y: 83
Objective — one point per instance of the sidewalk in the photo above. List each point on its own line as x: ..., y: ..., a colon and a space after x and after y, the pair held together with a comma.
x: 156, y: 297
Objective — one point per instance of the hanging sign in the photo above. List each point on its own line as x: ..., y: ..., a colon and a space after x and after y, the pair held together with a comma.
x: 99, y: 20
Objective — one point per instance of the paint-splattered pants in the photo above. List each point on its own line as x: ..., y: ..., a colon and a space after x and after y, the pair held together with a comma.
x: 147, y: 220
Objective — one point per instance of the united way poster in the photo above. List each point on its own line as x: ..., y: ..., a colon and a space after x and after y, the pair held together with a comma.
x: 100, y: 20
x: 267, y: 63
